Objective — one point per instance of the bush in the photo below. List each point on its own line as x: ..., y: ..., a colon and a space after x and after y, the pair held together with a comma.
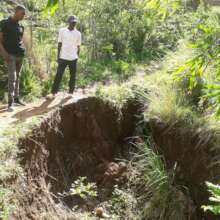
x: 196, y: 71
x: 123, y: 69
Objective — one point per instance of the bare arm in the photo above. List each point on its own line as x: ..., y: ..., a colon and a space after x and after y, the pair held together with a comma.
x: 78, y: 50
x: 79, y: 41
x: 3, y: 52
x: 59, y: 49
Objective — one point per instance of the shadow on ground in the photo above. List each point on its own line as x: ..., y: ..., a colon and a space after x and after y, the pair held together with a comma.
x: 39, y: 110
x: 3, y: 109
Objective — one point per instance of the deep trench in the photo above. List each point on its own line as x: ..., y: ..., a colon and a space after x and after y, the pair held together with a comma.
x: 80, y: 139
x: 85, y: 139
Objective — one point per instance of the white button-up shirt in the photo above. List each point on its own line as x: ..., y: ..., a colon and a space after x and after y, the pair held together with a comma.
x: 70, y: 40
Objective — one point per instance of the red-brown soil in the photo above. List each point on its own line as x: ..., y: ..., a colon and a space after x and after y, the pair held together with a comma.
x: 81, y: 139
x: 191, y: 152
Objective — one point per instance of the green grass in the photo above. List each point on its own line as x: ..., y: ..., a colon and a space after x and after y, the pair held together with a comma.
x: 10, y: 167
x: 117, y: 95
x: 170, y: 106
x: 6, y: 203
x: 175, y: 59
x: 158, y: 194
x: 120, y: 94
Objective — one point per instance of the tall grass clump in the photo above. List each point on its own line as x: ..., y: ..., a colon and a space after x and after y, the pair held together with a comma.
x: 119, y: 95
x: 160, y: 197
x: 169, y: 105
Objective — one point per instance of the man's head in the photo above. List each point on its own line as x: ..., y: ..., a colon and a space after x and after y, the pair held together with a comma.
x: 19, y: 13
x: 72, y: 21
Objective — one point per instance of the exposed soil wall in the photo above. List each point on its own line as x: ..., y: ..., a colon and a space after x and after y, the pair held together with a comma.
x: 193, y: 156
x: 81, y: 139
x: 85, y: 139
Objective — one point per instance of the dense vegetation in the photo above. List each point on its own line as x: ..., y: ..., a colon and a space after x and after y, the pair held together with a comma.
x: 176, y: 43
x: 116, y: 36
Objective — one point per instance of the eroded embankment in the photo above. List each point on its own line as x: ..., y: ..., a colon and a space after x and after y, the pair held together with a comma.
x: 191, y: 151
x: 81, y: 139
x: 85, y: 139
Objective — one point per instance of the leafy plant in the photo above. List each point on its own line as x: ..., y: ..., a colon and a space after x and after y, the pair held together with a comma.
x: 195, y: 71
x: 207, y: 52
x: 162, y: 8
x: 83, y: 189
x: 214, y: 207
x: 52, y: 6
x: 212, y: 94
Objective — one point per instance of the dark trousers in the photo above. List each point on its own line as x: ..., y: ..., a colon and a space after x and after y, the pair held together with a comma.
x: 14, y: 68
x: 60, y: 71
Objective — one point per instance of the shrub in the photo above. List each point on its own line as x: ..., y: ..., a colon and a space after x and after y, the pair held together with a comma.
x: 123, y: 69
x: 196, y: 71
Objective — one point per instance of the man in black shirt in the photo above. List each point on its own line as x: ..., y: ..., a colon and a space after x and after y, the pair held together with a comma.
x: 12, y: 50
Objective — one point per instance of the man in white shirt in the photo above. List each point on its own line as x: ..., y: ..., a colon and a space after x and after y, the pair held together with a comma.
x: 69, y: 42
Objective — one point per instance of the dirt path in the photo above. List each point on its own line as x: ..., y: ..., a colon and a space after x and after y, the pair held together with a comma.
x: 43, y: 106
x: 38, y: 108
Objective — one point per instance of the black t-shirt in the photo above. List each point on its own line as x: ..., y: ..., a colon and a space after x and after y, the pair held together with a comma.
x: 12, y: 37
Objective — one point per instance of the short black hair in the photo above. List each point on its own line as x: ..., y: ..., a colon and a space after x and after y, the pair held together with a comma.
x: 20, y: 7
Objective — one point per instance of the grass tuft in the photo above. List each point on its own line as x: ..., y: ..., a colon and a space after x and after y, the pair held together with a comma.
x: 160, y: 197
x: 169, y: 104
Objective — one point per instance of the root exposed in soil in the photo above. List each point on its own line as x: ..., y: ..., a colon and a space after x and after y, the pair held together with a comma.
x: 80, y: 139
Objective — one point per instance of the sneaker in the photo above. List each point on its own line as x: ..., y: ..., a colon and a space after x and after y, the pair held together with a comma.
x: 18, y: 102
